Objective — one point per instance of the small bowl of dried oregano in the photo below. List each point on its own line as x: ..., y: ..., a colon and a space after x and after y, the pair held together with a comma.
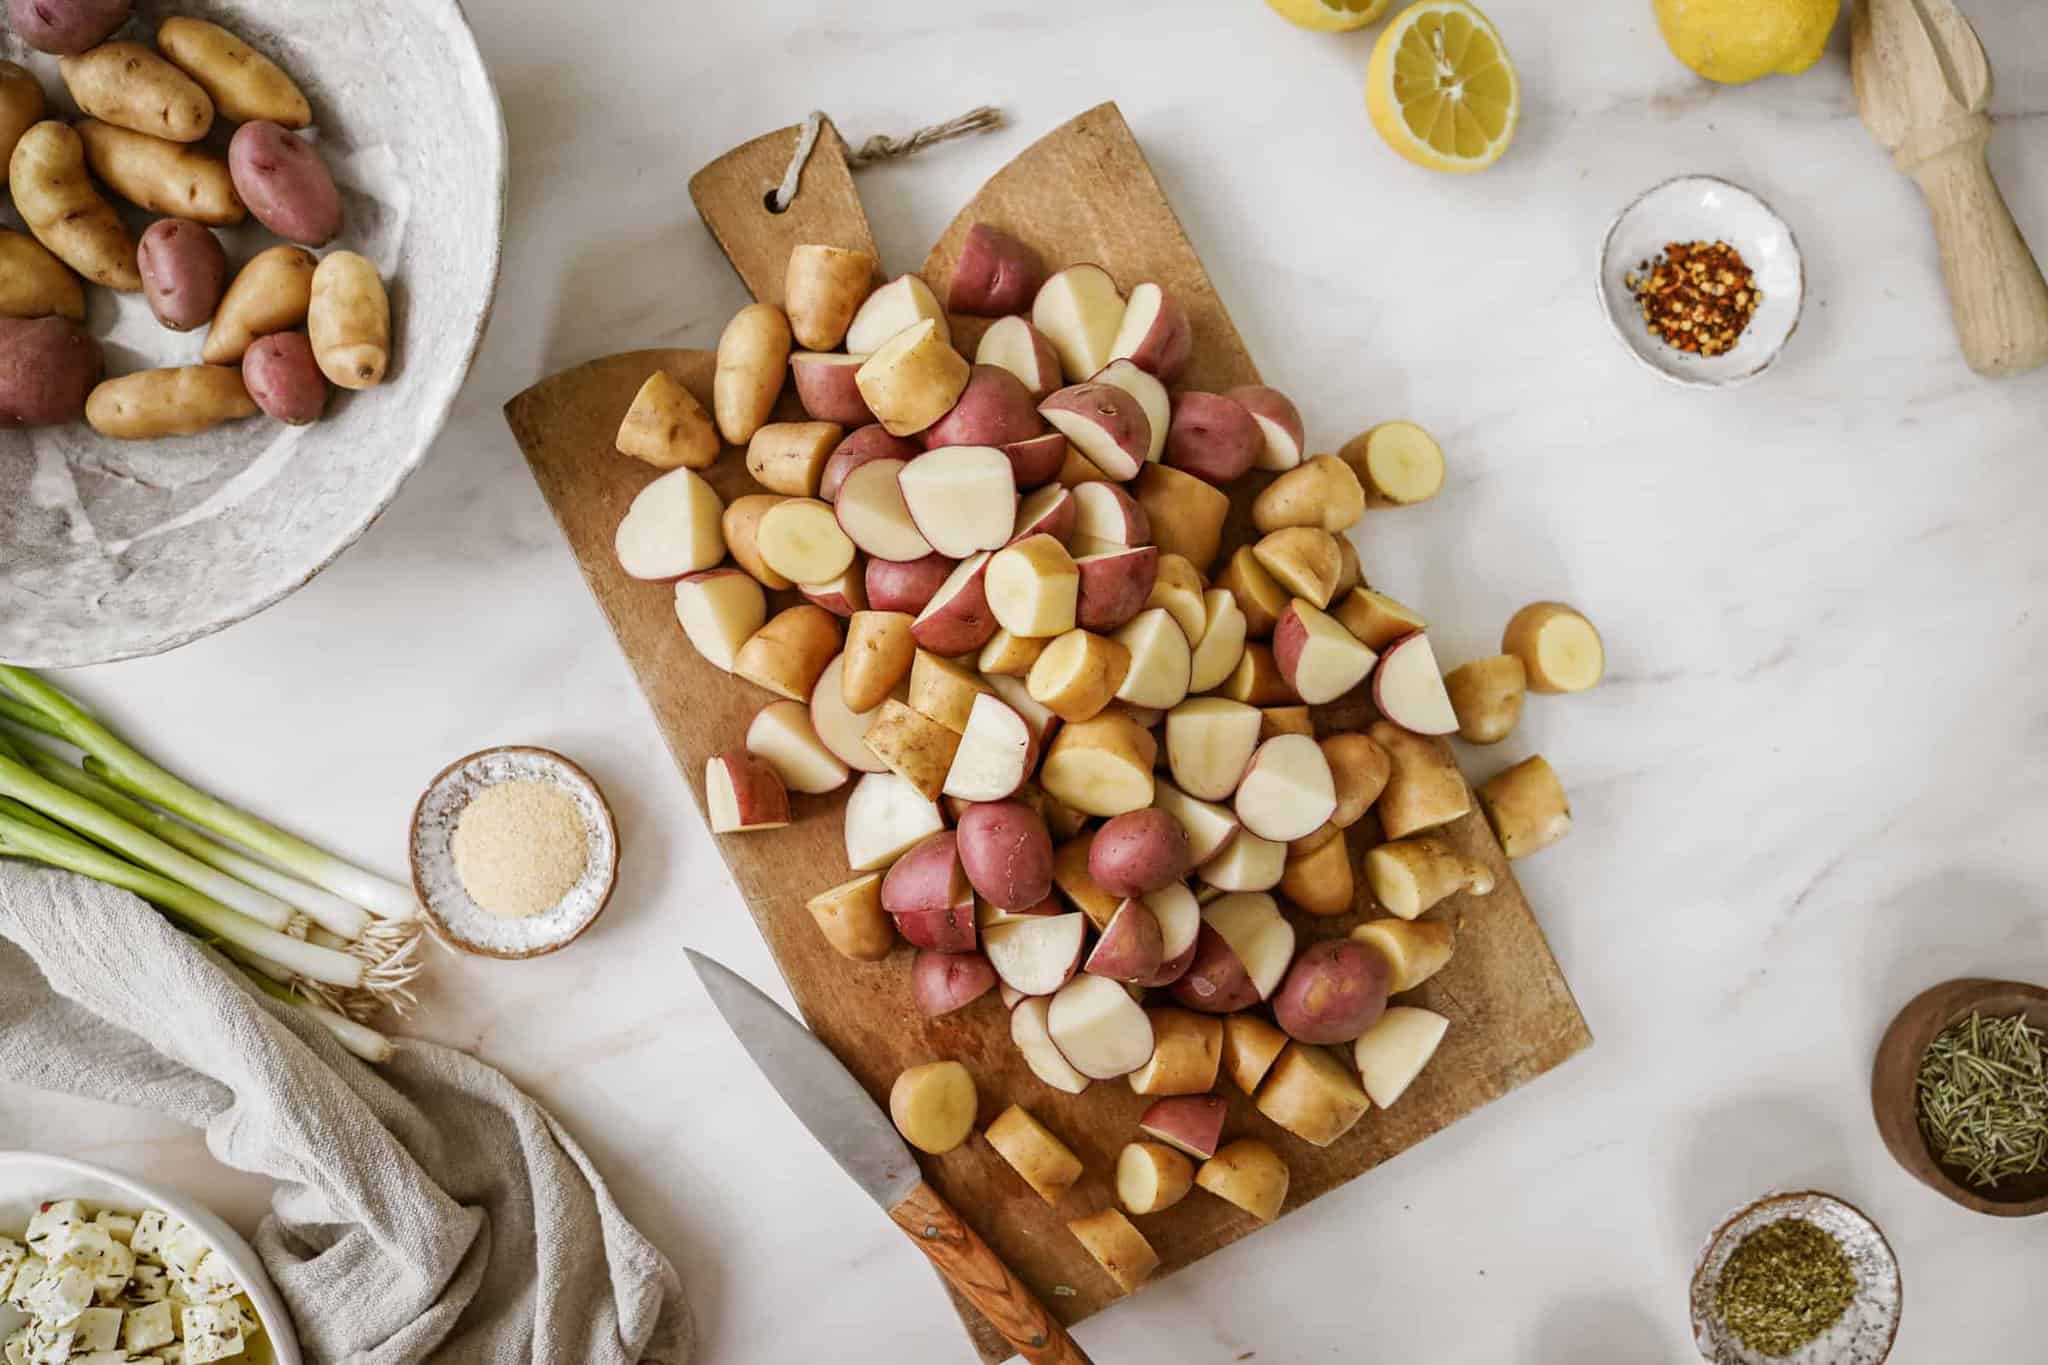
x: 1796, y: 1279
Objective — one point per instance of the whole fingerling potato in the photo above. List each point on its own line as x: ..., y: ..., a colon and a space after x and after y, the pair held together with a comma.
x: 282, y: 179
x: 64, y: 211
x: 127, y: 85
x: 183, y: 271
x: 47, y: 368
x: 21, y: 108
x: 271, y: 294
x: 35, y: 284
x: 285, y: 379
x: 350, y: 321
x: 244, y: 84
x: 66, y: 26
x: 162, y: 176
x: 175, y: 402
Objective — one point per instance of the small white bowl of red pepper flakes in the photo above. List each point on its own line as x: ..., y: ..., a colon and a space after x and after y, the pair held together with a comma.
x: 1702, y: 282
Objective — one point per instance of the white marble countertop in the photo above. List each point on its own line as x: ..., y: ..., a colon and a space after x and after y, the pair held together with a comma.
x: 1805, y: 792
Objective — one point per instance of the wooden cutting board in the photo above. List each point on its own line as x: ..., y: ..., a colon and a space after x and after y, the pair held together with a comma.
x: 1084, y: 193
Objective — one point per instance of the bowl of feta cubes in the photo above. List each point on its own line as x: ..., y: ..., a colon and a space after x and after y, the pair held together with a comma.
x: 99, y: 1268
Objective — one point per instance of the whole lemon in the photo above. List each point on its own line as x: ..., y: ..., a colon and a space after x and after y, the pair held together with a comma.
x: 1733, y: 41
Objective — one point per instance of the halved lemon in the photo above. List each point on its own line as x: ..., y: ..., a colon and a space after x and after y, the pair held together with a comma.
x: 1329, y: 16
x: 1440, y: 88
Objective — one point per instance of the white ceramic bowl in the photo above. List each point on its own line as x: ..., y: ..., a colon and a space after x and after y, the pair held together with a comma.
x: 1703, y: 208
x: 112, y: 549
x: 29, y: 1178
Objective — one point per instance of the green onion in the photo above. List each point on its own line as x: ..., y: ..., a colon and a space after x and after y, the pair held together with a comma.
x: 25, y: 833
x: 364, y: 1041
x: 124, y: 767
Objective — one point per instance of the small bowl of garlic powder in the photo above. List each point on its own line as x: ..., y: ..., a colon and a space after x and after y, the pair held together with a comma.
x: 514, y: 852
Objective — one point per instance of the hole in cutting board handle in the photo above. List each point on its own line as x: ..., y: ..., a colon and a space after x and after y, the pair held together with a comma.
x: 768, y: 201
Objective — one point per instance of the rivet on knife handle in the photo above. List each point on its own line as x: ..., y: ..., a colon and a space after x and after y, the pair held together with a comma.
x: 978, y: 1273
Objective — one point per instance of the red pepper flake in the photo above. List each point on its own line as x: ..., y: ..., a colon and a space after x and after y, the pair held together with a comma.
x: 1696, y: 297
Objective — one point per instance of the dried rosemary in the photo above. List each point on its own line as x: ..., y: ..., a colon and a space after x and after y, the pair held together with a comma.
x: 1984, y: 1099
x: 1784, y: 1286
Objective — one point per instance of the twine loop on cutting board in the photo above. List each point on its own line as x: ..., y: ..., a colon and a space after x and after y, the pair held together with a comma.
x: 880, y: 147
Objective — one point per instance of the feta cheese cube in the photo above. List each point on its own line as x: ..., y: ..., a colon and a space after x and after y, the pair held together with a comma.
x: 148, y: 1327
x: 150, y: 1231
x: 51, y: 1218
x: 26, y: 1278
x: 182, y: 1251
x: 148, y: 1284
x: 101, y: 1358
x: 213, y: 1331
x: 15, y: 1349
x: 116, y: 1266
x: 48, y: 1345
x: 83, y: 1244
x: 119, y: 1226
x: 12, y: 1254
x: 251, y: 1324
x: 61, y: 1295
x: 173, y: 1354
x: 212, y: 1280
x: 97, y: 1329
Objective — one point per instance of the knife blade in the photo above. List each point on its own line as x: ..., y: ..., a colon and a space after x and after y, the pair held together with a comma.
x: 848, y: 1123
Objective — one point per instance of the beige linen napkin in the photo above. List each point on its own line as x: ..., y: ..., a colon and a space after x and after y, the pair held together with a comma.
x: 429, y: 1210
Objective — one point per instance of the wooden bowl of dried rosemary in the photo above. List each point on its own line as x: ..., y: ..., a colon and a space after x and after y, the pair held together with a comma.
x: 1960, y: 1091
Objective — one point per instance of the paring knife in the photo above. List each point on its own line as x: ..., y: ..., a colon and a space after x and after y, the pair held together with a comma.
x: 823, y: 1094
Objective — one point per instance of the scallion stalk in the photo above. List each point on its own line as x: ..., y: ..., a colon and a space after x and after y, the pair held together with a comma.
x: 25, y: 833
x: 137, y: 775
x: 364, y: 1041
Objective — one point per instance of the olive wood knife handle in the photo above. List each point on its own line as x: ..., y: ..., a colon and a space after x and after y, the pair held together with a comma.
x: 980, y: 1275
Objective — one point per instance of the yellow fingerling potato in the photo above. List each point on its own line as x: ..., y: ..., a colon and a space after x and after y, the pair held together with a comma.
x: 753, y: 362
x: 273, y: 293
x: 164, y: 177
x: 131, y: 87
x: 174, y: 402
x: 35, y: 284
x: 349, y: 321
x: 58, y: 202
x: 245, y: 85
x: 21, y: 108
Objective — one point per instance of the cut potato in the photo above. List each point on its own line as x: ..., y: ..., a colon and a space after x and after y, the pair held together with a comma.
x: 879, y: 651
x: 996, y: 754
x: 1187, y: 1049
x: 1408, y: 876
x: 1280, y: 424
x: 1287, y: 790
x: 1048, y: 1165
x: 1033, y: 587
x: 1209, y: 826
x: 742, y: 793
x: 1161, y: 662
x: 1100, y: 1028
x: 1079, y: 311
x: 1036, y: 954
x: 1048, y: 511
x: 942, y: 983
x: 1360, y: 768
x: 913, y: 379
x: 1104, y: 423
x: 1408, y: 688
x: 1285, y: 720
x: 1250, y: 1047
x: 1397, y: 463
x: 1131, y: 948
x: 1319, y: 880
x: 741, y: 526
x: 1178, y: 588
x: 1152, y: 1177
x: 1557, y: 646
x: 789, y: 654
x: 851, y: 917
x: 1209, y: 744
x: 1415, y: 950
x: 962, y: 498
x: 1376, y: 619
x: 1187, y: 515
x: 1246, y: 863
x: 1303, y: 560
x: 1013, y: 344
x: 1251, y: 925
x: 1078, y: 674
x: 914, y: 746
x: 1260, y: 598
x: 781, y: 732
x: 884, y: 817
x: 1120, y: 1249
x: 1187, y: 1123
x: 1154, y: 334
x: 789, y: 457
x: 843, y: 730
x: 897, y: 306
x: 671, y: 529
x: 720, y: 609
x: 1319, y: 658
x: 1323, y: 492
x: 667, y: 427
x: 1249, y: 1174
x: 843, y: 594
x: 823, y: 287
x: 1180, y: 927
x: 1424, y: 788
x: 957, y: 620
x: 1010, y: 656
x: 944, y: 690
x: 1114, y: 585
x: 1221, y: 644
x: 1312, y: 1095
x: 1257, y: 679
x: 1332, y: 992
x: 1487, y: 696
x: 872, y: 512
x: 1151, y: 396
x: 1104, y: 512
x: 933, y: 1106
x: 800, y: 539
x: 1102, y: 766
x: 1393, y: 1052
x: 1034, y: 1040
x: 1527, y: 807
x: 753, y: 361
x: 1070, y: 875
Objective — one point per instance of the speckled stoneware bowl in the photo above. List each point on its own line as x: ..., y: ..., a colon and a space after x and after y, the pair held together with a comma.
x: 1704, y: 208
x: 1864, y: 1333
x: 112, y: 549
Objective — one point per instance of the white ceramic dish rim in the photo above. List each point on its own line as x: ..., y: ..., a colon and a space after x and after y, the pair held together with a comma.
x: 470, y: 55
x: 277, y: 1322
x: 1768, y: 357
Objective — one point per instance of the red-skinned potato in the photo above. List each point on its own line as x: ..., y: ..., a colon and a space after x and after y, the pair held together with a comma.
x: 943, y: 982
x: 1215, y: 982
x: 858, y: 447
x: 844, y: 594
x: 1319, y: 658
x: 1105, y: 512
x: 781, y: 732
x: 1007, y: 853
x: 1036, y: 460
x: 742, y: 794
x: 1114, y: 586
x: 1187, y: 1123
x: 993, y: 410
x: 1079, y: 310
x: 1099, y: 1027
x: 1048, y: 511
x: 1180, y: 924
x: 823, y: 287
x: 1258, y: 936
x: 283, y: 377
x: 1408, y: 688
x: 1151, y: 396
x: 1139, y: 852
x: 1336, y: 990
x: 1131, y: 948
x: 928, y: 877
x: 1015, y: 345
x: 995, y: 274
x: 1070, y: 874
x: 908, y: 586
x: 1187, y: 514
x: 1108, y: 425
x: 1212, y: 437
x: 825, y: 386
x: 1209, y: 827
x: 1280, y: 425
x: 957, y: 619
x: 1154, y: 334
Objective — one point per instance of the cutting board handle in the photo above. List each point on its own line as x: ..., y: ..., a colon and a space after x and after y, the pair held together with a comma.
x: 732, y: 192
x: 1995, y: 288
x: 982, y: 1278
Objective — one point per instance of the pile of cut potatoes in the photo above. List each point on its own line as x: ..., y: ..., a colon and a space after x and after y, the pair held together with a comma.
x: 1084, y: 771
